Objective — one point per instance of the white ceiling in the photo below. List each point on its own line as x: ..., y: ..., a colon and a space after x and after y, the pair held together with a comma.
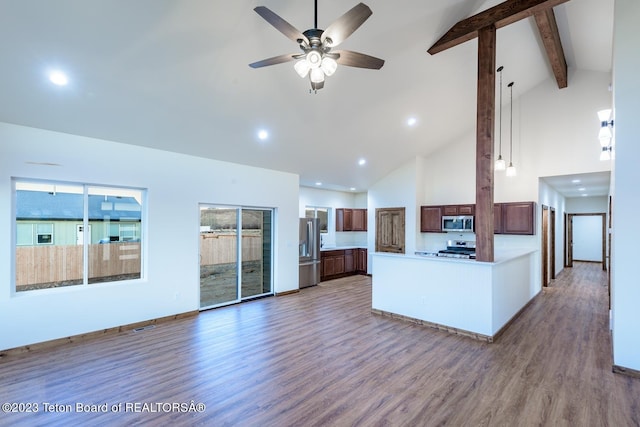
x: 174, y: 75
x: 595, y: 184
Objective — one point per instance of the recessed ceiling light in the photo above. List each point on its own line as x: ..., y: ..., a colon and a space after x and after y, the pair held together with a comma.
x: 353, y: 189
x: 584, y: 195
x: 263, y: 134
x: 58, y: 78
x: 362, y: 162
x: 575, y: 181
x: 411, y: 121
x: 318, y: 183
x: 581, y: 189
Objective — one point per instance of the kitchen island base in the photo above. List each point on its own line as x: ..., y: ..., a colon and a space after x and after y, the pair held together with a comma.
x: 465, y: 297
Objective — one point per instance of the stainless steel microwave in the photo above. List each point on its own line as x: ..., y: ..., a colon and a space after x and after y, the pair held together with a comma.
x: 458, y: 223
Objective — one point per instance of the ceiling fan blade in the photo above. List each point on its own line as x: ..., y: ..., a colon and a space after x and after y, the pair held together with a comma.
x: 357, y: 59
x: 280, y: 24
x: 344, y: 26
x: 275, y: 60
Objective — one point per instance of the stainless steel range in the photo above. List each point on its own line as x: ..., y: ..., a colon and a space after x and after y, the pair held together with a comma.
x: 459, y: 249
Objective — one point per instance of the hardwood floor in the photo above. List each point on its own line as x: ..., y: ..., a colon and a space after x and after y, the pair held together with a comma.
x: 321, y: 358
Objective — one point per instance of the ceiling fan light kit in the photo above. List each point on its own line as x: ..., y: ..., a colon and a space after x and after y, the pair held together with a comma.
x: 317, y: 60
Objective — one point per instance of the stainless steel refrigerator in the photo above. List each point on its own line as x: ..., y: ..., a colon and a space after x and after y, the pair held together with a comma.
x: 309, y: 251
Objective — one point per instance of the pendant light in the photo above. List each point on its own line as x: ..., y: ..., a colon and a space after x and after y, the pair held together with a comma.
x: 511, y: 170
x: 500, y: 163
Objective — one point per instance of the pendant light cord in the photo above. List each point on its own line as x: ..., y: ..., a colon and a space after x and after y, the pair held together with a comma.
x: 500, y: 121
x: 511, y: 126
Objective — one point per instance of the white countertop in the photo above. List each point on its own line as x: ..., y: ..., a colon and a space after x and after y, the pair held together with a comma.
x: 500, y: 255
x: 341, y: 248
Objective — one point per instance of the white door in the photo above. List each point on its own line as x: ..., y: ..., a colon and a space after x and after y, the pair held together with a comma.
x: 80, y: 234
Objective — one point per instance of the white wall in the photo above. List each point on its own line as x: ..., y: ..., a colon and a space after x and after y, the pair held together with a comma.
x: 549, y: 196
x: 176, y: 184
x: 396, y: 190
x: 587, y: 204
x: 626, y: 175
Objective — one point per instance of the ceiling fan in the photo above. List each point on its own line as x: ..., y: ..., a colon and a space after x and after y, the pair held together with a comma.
x: 317, y: 59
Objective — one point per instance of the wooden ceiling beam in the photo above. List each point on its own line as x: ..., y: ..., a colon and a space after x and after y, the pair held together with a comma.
x: 548, y: 28
x: 499, y: 16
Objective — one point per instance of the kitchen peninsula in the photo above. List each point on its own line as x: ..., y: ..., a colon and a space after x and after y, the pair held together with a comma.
x: 462, y: 296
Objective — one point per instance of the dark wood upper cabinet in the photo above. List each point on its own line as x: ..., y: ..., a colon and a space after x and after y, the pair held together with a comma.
x: 450, y: 210
x: 351, y: 219
x: 339, y: 219
x: 466, y: 209
x: 508, y: 218
x: 431, y: 219
x: 458, y: 210
x: 359, y: 220
x: 348, y: 220
x: 518, y: 218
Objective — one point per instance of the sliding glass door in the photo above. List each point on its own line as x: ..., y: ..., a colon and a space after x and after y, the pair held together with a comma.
x: 236, y: 257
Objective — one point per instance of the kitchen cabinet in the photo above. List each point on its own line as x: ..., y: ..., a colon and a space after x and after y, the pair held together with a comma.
x: 431, y: 219
x: 361, y: 261
x: 332, y: 263
x: 359, y: 222
x: 351, y: 219
x: 349, y: 261
x: 515, y: 218
x: 458, y: 209
x: 339, y: 219
x: 508, y: 218
x: 342, y: 262
x: 497, y: 218
x: 431, y: 216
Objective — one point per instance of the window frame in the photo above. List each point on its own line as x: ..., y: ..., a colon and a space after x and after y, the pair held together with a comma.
x: 315, y: 210
x: 86, y: 191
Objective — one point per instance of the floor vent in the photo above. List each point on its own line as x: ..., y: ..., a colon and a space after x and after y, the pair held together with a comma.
x: 144, y: 328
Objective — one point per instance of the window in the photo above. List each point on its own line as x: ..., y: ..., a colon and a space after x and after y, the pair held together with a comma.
x: 52, y: 249
x: 44, y: 233
x: 322, y: 214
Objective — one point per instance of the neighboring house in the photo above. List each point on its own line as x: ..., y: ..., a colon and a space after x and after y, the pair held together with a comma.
x: 47, y: 218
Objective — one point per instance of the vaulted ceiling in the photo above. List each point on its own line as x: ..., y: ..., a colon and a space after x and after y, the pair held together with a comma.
x: 174, y: 75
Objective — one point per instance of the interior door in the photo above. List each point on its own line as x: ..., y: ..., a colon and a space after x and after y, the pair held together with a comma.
x: 390, y: 230
x: 545, y: 245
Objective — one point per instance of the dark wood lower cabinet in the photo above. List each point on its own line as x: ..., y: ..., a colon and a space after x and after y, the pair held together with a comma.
x: 361, y: 261
x: 332, y: 264
x: 343, y: 262
x: 349, y: 261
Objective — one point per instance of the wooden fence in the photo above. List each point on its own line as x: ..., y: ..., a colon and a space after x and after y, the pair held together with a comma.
x: 223, y: 249
x: 63, y: 263
x: 56, y: 264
